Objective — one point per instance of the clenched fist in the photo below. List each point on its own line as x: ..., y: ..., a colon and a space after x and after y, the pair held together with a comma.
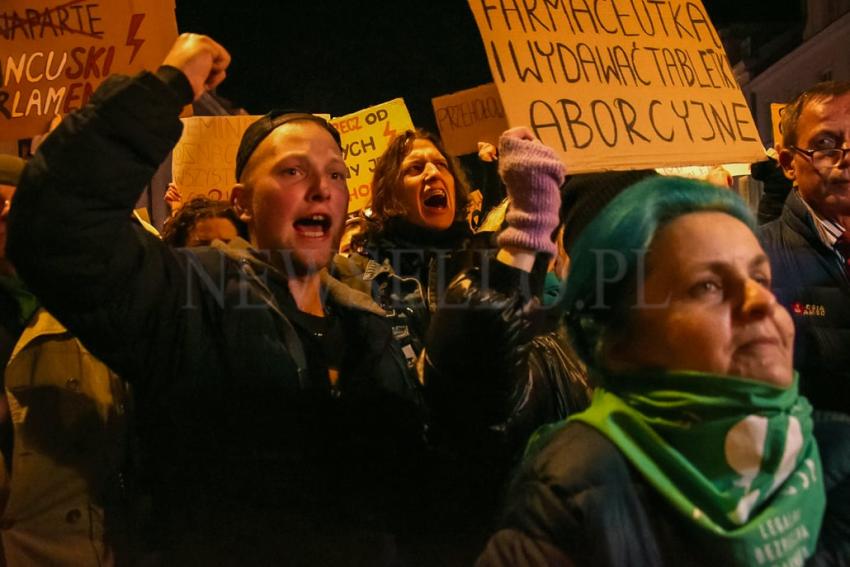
x: 201, y: 59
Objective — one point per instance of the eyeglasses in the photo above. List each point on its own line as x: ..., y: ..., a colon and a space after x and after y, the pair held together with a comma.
x: 824, y: 158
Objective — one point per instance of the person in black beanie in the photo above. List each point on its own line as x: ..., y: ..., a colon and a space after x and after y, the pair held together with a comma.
x: 585, y: 194
x: 273, y: 401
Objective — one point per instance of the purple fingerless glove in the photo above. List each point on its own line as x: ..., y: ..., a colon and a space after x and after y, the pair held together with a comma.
x: 533, y: 175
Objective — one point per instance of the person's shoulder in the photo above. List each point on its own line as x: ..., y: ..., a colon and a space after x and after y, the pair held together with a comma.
x: 769, y: 232
x: 576, y: 456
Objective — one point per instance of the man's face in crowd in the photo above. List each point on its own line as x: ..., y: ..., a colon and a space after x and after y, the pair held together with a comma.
x: 294, y: 194
x: 823, y: 124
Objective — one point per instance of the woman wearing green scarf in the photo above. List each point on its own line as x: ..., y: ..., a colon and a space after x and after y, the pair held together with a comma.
x: 697, y: 448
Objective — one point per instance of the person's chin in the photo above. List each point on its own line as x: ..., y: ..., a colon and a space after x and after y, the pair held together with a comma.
x: 774, y: 373
x: 303, y: 262
x: 438, y: 222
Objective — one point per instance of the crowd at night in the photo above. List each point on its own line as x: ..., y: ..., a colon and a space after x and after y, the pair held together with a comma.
x: 492, y: 283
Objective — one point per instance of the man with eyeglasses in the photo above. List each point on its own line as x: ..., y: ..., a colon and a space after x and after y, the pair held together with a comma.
x: 809, y: 244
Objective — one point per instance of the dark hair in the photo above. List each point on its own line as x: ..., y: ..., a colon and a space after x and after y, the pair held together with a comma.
x: 792, y: 112
x: 388, y: 176
x: 176, y: 230
x: 601, y: 285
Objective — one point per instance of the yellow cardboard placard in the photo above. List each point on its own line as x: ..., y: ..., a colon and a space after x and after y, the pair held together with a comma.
x: 468, y: 117
x: 204, y: 160
x: 365, y: 136
x: 54, y: 53
x: 776, y: 110
x: 618, y: 85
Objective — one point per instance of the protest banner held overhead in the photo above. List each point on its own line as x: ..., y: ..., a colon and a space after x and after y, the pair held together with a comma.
x: 468, y: 117
x: 54, y: 54
x: 616, y: 84
x: 204, y: 159
x: 365, y: 135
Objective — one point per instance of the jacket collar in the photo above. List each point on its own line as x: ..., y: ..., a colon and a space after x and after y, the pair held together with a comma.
x: 241, y: 250
x: 796, y: 215
x: 42, y: 324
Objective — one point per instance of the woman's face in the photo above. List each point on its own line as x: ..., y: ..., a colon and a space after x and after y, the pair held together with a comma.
x: 706, y: 305
x: 427, y: 189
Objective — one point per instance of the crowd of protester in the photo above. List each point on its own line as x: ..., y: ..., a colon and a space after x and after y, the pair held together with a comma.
x: 601, y: 372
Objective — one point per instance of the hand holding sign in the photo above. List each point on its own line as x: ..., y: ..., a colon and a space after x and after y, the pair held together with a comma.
x: 201, y: 59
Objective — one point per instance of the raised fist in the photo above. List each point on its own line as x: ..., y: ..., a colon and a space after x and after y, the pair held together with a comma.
x: 201, y: 59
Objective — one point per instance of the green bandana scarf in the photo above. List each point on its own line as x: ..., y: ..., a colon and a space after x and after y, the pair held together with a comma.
x: 735, y: 457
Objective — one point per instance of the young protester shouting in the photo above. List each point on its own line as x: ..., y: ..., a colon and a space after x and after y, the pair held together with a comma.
x: 273, y: 400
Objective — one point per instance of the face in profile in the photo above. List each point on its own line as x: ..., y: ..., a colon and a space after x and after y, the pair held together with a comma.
x: 706, y: 305
x: 294, y: 194
x: 823, y: 124
x: 427, y: 187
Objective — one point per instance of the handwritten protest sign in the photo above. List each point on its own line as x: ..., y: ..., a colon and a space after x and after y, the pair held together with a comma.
x: 702, y: 171
x: 468, y: 117
x: 776, y: 111
x: 54, y: 53
x: 204, y: 160
x: 365, y: 136
x: 616, y: 84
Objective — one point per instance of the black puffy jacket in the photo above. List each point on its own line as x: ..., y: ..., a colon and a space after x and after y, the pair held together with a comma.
x: 578, y: 501
x: 809, y: 281
x: 255, y: 462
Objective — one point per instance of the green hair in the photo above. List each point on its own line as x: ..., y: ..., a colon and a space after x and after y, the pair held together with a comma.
x: 602, y: 283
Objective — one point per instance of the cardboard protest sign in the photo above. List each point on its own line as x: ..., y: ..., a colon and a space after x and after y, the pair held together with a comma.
x: 204, y: 160
x: 54, y: 53
x: 468, y: 117
x: 618, y: 85
x: 776, y: 111
x: 365, y: 136
x: 702, y: 171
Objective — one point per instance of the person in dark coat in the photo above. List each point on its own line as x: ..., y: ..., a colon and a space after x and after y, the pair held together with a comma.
x: 697, y: 448
x: 809, y: 245
x: 273, y: 400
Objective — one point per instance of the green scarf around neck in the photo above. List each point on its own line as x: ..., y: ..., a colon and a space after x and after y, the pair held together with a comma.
x: 736, y: 458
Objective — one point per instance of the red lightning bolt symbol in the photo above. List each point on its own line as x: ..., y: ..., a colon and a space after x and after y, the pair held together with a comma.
x: 136, y: 44
x: 390, y: 134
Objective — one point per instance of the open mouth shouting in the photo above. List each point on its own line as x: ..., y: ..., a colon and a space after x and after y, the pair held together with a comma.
x: 436, y: 199
x: 313, y: 226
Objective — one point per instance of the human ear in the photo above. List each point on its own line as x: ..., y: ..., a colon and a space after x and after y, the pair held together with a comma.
x: 786, y: 161
x: 240, y: 197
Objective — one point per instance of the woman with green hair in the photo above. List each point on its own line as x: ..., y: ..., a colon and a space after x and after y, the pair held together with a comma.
x: 696, y: 448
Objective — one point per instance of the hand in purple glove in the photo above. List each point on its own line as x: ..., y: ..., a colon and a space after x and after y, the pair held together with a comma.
x: 533, y: 175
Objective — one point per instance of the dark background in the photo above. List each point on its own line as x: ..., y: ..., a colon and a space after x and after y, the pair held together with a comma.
x: 338, y: 57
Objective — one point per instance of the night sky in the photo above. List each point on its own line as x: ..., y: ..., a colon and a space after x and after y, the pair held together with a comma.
x: 338, y: 57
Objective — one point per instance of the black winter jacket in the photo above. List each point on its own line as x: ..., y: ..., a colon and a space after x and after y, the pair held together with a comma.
x: 809, y: 281
x: 254, y: 461
x: 578, y: 501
